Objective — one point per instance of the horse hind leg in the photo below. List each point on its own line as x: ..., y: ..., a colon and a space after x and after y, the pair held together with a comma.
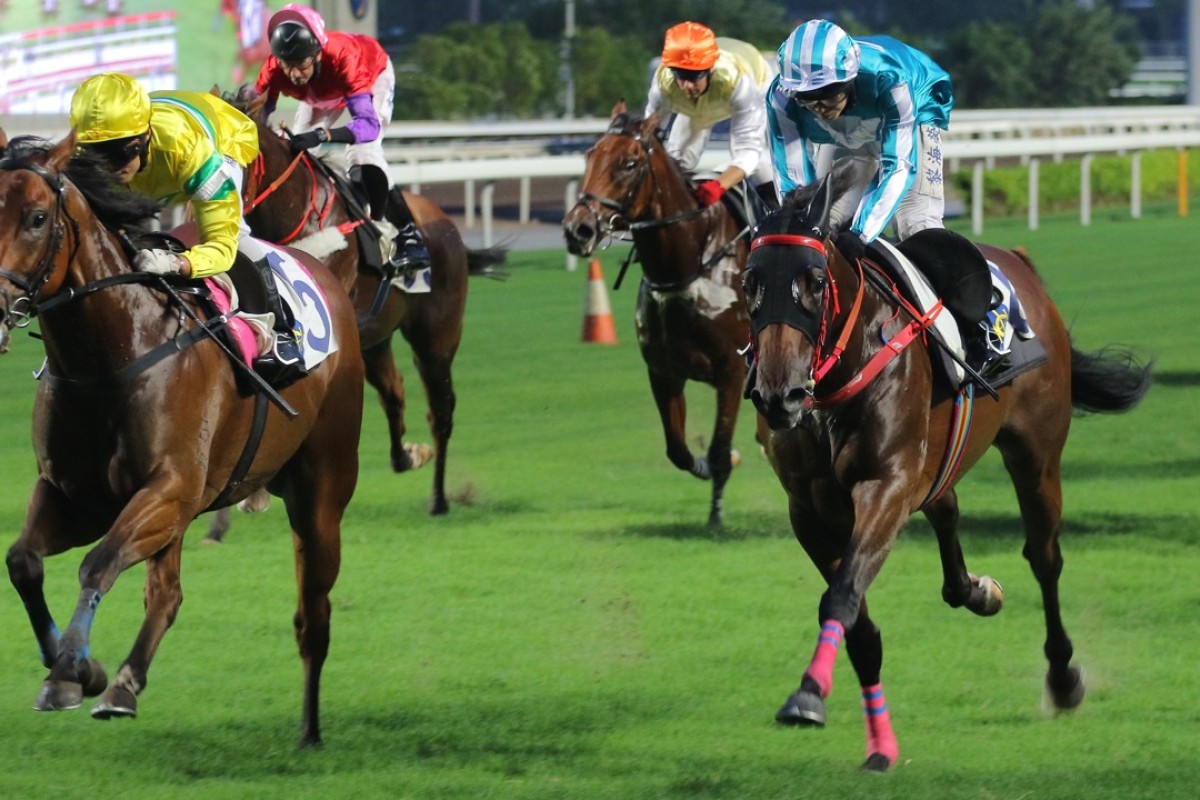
x: 980, y: 594
x: 434, y: 365
x: 1039, y: 493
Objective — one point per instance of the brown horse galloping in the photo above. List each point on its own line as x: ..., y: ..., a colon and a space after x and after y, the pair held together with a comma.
x: 691, y: 314
x: 290, y: 198
x: 856, y: 456
x: 139, y: 425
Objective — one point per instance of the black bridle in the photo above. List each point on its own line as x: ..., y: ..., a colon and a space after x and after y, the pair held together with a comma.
x: 608, y: 225
x: 620, y: 207
x: 26, y: 307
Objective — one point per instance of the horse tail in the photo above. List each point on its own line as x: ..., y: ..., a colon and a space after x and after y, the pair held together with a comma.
x: 1110, y: 380
x: 486, y: 262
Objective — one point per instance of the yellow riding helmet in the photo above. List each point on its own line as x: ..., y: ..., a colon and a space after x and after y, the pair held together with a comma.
x: 110, y: 106
x: 690, y: 46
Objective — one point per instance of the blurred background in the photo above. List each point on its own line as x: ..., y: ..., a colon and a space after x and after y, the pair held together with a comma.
x: 537, y: 59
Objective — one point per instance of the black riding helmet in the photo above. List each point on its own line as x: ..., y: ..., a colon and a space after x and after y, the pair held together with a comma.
x: 292, y: 43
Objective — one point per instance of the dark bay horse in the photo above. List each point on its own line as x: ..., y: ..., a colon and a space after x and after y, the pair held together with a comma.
x: 139, y: 425
x: 856, y: 456
x: 290, y: 198
x: 691, y: 314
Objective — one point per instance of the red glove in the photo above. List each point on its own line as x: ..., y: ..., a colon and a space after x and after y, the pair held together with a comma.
x: 709, y: 192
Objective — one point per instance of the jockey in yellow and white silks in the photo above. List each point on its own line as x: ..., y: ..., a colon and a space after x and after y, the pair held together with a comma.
x: 177, y: 147
x: 704, y: 80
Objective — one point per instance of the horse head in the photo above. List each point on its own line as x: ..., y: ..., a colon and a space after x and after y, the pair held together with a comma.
x: 796, y: 283
x: 32, y: 226
x: 628, y: 177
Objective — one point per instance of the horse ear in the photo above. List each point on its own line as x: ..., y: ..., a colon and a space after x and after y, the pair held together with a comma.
x: 215, y: 90
x: 254, y: 109
x: 3, y: 139
x: 61, y: 155
x: 619, y: 109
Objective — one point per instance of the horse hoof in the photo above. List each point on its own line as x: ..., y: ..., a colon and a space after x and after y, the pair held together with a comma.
x: 59, y: 696
x: 802, y: 708
x: 259, y: 501
x: 1066, y: 690
x: 93, y: 678
x: 419, y: 454
x: 987, y: 595
x: 877, y: 762
x: 117, y: 702
x: 735, y: 458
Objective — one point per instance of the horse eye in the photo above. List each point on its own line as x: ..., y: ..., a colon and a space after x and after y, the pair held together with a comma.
x: 37, y: 218
x: 629, y: 164
x: 753, y: 289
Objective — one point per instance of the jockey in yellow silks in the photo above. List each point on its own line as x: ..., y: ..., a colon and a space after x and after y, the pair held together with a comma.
x: 183, y: 147
x: 176, y: 147
x: 704, y: 80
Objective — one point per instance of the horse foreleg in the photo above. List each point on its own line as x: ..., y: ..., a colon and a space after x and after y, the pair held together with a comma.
x: 672, y: 411
x: 722, y: 458
x: 219, y: 525
x: 46, y: 533
x: 864, y: 646
x: 163, y: 596
x: 147, y: 525
x: 981, y: 594
x: 1039, y: 493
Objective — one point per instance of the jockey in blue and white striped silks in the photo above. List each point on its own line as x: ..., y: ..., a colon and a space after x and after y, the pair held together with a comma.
x: 875, y: 95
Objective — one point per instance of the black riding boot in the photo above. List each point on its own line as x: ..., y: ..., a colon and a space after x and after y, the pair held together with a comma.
x: 287, y: 350
x: 410, y: 250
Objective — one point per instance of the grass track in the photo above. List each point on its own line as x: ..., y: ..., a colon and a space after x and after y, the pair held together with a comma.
x: 572, y: 630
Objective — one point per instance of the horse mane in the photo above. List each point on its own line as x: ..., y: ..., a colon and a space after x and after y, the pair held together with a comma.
x: 113, y: 204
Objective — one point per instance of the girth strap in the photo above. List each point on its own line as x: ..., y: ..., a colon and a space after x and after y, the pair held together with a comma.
x: 248, y: 452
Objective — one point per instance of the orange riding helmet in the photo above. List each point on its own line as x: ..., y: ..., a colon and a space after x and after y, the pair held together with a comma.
x: 690, y: 46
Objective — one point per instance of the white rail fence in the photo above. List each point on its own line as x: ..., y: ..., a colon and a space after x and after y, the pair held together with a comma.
x: 479, y: 155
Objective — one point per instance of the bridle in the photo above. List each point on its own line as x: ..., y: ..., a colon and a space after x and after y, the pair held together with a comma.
x: 608, y: 224
x: 27, y: 306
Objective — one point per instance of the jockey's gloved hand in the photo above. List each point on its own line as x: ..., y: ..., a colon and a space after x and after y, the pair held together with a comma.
x: 303, y: 141
x: 849, y: 245
x: 709, y: 192
x: 161, y: 262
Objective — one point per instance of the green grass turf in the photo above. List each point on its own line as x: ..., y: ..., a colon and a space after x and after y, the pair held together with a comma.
x: 573, y: 630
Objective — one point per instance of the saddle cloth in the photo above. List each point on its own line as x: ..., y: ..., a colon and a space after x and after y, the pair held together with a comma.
x: 297, y: 288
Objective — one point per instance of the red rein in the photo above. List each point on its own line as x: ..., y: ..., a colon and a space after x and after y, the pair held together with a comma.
x: 822, y: 365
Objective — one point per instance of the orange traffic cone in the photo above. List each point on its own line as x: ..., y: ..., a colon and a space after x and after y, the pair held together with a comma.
x: 598, y: 326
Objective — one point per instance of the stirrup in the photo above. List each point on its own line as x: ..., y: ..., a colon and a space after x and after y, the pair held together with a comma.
x: 409, y: 254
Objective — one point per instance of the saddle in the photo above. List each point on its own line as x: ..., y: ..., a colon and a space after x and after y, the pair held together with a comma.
x: 257, y: 294
x: 367, y: 235
x: 959, y: 274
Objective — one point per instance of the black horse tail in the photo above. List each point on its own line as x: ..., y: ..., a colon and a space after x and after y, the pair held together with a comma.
x: 487, y: 261
x: 1110, y: 380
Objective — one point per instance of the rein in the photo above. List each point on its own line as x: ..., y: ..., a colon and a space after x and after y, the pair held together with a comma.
x: 260, y: 170
x: 618, y: 207
x: 825, y: 358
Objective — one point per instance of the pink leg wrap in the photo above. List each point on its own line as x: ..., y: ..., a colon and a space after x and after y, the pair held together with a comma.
x: 880, y: 738
x: 820, y: 669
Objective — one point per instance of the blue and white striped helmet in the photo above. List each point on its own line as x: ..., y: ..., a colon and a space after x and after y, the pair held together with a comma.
x: 817, y: 54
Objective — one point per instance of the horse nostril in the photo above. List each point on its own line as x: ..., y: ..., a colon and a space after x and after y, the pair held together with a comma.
x: 797, y: 395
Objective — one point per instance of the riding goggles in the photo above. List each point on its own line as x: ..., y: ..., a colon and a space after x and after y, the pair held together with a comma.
x: 826, y: 97
x: 119, y: 152
x: 689, y: 75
